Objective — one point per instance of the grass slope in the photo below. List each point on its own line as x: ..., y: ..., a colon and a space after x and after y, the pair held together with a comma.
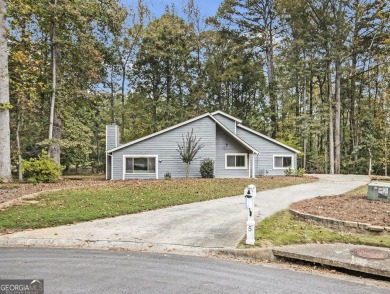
x: 125, y: 197
x: 281, y: 229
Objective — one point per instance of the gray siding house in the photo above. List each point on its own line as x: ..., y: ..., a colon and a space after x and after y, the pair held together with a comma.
x: 237, y: 151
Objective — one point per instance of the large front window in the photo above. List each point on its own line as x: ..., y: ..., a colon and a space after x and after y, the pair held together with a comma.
x: 236, y: 161
x: 282, y: 161
x: 140, y: 165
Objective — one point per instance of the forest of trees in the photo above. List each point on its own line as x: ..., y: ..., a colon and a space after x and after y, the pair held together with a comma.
x: 314, y: 74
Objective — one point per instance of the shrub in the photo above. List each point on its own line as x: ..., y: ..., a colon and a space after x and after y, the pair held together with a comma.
x: 41, y: 170
x: 289, y: 171
x: 1, y: 180
x: 167, y: 175
x: 207, y: 168
x: 299, y: 172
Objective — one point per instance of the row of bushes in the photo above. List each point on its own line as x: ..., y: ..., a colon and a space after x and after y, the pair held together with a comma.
x: 207, y: 170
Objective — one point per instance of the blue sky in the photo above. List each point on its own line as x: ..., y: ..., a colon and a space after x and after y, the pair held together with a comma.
x: 206, y: 7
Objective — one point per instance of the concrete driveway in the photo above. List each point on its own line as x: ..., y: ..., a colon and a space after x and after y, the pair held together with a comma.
x: 219, y: 223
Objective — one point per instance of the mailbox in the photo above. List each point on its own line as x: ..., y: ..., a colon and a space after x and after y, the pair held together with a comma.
x: 250, y: 194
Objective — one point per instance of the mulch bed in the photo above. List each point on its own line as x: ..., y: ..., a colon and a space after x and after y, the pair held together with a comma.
x: 348, y: 208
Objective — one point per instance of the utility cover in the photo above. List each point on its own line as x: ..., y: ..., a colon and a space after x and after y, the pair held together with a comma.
x: 378, y: 190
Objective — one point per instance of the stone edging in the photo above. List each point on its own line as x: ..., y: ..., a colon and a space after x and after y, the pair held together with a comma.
x: 340, y: 225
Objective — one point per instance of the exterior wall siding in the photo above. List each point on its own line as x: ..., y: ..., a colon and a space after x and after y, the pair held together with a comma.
x: 226, y: 144
x: 164, y: 146
x: 227, y: 122
x: 267, y: 149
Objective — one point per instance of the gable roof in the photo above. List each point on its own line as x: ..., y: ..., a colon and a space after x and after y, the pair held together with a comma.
x: 227, y: 115
x: 243, y: 143
x: 239, y: 124
x: 268, y: 138
x: 235, y: 136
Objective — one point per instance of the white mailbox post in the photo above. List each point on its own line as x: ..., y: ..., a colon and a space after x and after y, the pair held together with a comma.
x: 250, y: 194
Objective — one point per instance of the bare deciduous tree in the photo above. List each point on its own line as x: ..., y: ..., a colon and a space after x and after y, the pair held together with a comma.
x: 189, y: 148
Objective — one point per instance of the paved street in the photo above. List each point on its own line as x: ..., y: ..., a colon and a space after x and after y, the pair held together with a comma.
x: 90, y: 271
x: 219, y: 223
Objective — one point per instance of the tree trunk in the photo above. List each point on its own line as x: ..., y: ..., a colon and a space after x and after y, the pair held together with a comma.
x: 18, y: 122
x: 268, y: 15
x: 386, y: 155
x: 338, y: 117
x: 326, y: 157
x: 271, y: 88
x: 323, y: 146
x: 5, y: 143
x: 370, y: 162
x: 97, y: 152
x: 170, y: 101
x: 112, y: 99
x: 311, y: 89
x: 123, y: 100
x: 55, y: 150
x: 331, y: 137
x: 304, y: 122
x: 54, y: 145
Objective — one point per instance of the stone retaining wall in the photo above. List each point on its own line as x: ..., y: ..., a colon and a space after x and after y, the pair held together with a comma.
x: 339, y: 225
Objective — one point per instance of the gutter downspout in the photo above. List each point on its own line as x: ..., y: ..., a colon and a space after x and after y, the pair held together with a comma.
x: 107, y: 154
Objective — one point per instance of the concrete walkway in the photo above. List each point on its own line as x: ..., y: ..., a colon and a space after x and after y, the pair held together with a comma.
x: 219, y: 223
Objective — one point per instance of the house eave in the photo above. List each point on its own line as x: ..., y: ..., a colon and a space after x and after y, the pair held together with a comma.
x: 160, y: 132
x: 242, y: 142
x: 227, y: 115
x: 269, y: 139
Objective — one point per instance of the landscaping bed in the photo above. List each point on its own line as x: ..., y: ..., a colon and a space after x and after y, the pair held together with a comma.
x: 353, y: 206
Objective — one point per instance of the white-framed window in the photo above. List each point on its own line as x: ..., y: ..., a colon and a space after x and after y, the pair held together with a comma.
x: 283, y: 161
x: 140, y: 164
x: 236, y: 161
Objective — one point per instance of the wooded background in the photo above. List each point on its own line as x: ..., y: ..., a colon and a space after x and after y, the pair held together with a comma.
x: 313, y: 74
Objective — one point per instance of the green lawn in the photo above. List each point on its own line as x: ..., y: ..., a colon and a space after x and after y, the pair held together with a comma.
x: 126, y: 197
x: 281, y: 229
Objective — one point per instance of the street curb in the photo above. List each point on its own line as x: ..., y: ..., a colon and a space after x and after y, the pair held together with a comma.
x: 264, y: 254
x: 103, y: 245
x: 259, y: 254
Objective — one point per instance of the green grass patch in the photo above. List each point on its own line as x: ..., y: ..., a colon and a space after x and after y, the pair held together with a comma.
x: 359, y: 191
x: 126, y: 197
x: 281, y: 229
